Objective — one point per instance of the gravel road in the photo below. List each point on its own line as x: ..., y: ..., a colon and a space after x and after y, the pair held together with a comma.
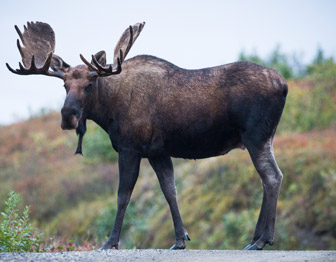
x: 181, y: 255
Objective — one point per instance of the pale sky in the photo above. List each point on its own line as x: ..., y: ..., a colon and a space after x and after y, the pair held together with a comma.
x: 190, y: 34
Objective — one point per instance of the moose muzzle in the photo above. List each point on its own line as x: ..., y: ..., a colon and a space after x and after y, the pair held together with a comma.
x: 71, y: 113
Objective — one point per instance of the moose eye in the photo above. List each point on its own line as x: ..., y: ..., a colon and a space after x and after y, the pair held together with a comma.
x: 88, y: 88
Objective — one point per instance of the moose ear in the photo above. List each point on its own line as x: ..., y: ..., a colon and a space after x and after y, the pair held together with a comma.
x: 100, y: 57
x: 58, y: 65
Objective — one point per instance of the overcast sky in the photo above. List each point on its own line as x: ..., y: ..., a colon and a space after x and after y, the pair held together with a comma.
x: 190, y: 34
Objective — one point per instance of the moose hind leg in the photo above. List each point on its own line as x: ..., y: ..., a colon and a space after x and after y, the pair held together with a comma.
x: 129, y: 163
x: 271, y: 177
x: 260, y: 224
x: 163, y: 168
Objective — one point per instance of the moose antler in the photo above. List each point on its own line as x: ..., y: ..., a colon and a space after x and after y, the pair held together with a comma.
x: 38, y: 41
x: 126, y: 41
x: 121, y: 50
x: 99, y: 69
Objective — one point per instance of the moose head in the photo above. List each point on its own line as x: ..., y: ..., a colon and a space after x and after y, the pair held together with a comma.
x: 38, y: 57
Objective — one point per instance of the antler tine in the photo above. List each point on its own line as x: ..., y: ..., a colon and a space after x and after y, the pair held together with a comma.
x: 32, y: 64
x: 19, y: 47
x: 11, y: 69
x: 19, y: 33
x: 121, y: 56
x: 21, y: 71
x: 130, y: 42
x: 90, y: 66
x: 99, y: 66
x: 99, y: 69
x: 109, y: 69
x: 44, y: 70
x: 118, y: 71
x: 22, y: 68
x: 47, y: 62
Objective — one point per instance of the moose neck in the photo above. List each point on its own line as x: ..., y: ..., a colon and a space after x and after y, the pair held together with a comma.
x: 103, y: 100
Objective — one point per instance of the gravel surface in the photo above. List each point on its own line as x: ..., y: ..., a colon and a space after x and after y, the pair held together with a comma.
x: 180, y: 255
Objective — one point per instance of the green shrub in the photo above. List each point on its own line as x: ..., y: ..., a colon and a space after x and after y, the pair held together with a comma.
x: 311, y: 102
x: 97, y: 146
x: 16, y: 233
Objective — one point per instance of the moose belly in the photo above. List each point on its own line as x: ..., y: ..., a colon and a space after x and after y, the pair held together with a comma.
x: 195, y: 145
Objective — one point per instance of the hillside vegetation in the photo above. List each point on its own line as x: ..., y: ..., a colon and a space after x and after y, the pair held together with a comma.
x: 74, y: 197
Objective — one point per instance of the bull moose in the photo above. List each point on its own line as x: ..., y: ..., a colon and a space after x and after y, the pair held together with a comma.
x: 153, y: 109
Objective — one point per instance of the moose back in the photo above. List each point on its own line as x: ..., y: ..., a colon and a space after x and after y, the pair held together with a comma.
x: 153, y: 109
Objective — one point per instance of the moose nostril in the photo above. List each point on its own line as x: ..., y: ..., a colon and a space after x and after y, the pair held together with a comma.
x: 69, y: 111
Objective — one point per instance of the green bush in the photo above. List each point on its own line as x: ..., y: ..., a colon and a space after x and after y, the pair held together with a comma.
x: 311, y: 102
x: 97, y: 146
x: 16, y: 233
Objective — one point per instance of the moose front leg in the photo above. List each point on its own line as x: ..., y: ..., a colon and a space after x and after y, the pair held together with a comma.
x: 163, y: 168
x: 129, y: 162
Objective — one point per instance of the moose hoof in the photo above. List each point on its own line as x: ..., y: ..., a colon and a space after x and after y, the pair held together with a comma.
x: 247, y: 247
x: 177, y: 247
x: 258, y: 245
x: 179, y: 244
x: 108, y: 246
x: 252, y: 247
